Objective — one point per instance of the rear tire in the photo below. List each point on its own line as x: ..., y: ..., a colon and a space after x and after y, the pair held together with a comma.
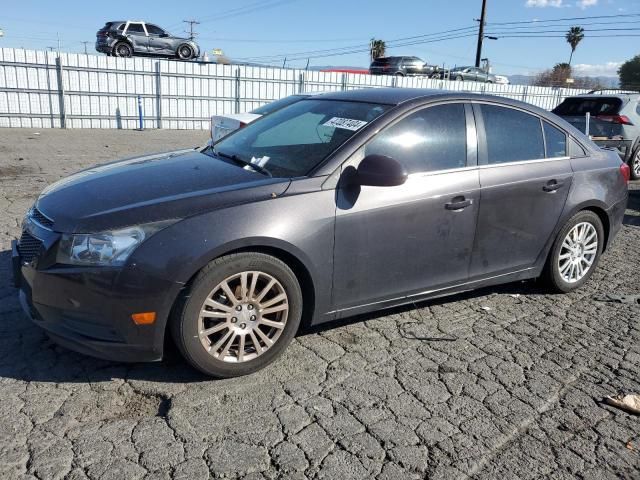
x: 575, y: 253
x: 634, y: 165
x: 221, y: 325
x: 122, y: 49
x: 459, y: 78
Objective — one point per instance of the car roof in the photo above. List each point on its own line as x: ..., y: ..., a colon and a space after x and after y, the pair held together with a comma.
x: 396, y: 96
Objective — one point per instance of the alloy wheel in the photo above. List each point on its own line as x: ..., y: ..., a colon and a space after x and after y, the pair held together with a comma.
x: 243, y: 316
x: 578, y: 252
x: 123, y: 51
x: 185, y: 52
x: 635, y: 165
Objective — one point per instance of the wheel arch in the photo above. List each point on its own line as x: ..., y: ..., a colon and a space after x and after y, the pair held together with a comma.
x: 600, y: 210
x: 606, y: 222
x: 122, y: 40
x: 285, y: 253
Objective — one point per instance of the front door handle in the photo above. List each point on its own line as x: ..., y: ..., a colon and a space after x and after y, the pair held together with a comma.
x: 552, y: 186
x: 458, y: 203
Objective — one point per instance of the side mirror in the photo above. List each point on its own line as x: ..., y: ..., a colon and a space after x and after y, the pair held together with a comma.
x: 380, y: 171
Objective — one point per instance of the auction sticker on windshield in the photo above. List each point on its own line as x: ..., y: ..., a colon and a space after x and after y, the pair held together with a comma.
x: 346, y: 123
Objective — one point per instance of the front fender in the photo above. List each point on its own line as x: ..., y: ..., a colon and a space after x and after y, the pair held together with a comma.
x: 302, y: 226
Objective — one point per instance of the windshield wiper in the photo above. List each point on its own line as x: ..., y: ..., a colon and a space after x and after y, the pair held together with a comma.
x: 242, y: 161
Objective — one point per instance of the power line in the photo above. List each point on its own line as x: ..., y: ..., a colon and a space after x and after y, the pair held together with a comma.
x: 389, y: 44
x: 366, y: 49
x: 234, y: 12
x: 565, y: 19
x: 567, y: 25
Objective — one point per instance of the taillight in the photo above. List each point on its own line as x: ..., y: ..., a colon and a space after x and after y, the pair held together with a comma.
x: 619, y: 119
x: 625, y: 171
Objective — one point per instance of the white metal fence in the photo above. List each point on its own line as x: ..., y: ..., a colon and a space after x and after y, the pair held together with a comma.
x: 39, y: 89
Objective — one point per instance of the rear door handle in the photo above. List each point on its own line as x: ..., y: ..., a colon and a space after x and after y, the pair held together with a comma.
x: 458, y: 203
x: 552, y: 186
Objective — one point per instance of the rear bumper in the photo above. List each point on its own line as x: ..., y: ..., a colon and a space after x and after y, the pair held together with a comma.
x: 104, y: 46
x: 88, y: 310
x: 616, y: 216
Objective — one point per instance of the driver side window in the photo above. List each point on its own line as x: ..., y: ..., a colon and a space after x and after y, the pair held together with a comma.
x: 431, y: 139
x: 153, y: 30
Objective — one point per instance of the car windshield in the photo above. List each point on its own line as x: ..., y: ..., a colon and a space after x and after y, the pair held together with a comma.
x: 277, y: 105
x: 295, y: 139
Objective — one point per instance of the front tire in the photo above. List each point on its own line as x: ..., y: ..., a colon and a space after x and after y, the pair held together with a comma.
x: 239, y: 315
x: 575, y: 252
x: 459, y: 78
x: 184, y: 52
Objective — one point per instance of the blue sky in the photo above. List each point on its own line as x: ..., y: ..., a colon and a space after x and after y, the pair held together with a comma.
x: 261, y: 28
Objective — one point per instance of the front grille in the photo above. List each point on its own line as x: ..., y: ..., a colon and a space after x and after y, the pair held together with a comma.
x: 39, y: 217
x: 28, y: 247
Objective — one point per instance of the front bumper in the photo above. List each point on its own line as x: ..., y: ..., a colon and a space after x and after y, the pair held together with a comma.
x: 89, y: 310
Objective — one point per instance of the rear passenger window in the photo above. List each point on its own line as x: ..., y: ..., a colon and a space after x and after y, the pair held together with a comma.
x: 512, y: 135
x: 555, y: 141
x: 431, y: 139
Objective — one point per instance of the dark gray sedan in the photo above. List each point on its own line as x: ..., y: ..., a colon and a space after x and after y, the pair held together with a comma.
x: 126, y: 38
x: 337, y: 205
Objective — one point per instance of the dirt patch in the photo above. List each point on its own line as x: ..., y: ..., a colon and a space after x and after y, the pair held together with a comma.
x: 124, y: 403
x: 15, y: 170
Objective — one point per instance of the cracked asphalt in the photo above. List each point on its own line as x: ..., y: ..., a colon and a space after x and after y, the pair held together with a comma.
x: 497, y: 383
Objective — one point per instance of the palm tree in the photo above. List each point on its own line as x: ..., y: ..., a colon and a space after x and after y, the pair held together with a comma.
x: 377, y: 48
x: 574, y: 36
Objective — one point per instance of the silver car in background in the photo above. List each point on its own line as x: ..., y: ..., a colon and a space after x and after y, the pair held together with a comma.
x: 126, y: 38
x: 614, y: 122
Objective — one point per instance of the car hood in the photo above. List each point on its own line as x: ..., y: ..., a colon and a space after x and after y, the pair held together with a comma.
x: 146, y: 189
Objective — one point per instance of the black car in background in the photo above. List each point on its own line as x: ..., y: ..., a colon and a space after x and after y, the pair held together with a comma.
x: 402, y: 67
x: 126, y: 38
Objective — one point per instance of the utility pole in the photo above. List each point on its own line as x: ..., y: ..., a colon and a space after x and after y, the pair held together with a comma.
x: 85, y: 47
x: 191, y: 23
x: 481, y: 33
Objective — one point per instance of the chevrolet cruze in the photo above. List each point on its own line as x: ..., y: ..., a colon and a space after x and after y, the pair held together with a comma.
x: 337, y: 205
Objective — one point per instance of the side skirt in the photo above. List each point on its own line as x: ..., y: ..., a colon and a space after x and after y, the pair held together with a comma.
x: 525, y: 274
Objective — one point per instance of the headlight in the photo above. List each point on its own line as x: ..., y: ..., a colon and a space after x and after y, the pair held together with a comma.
x: 106, y: 248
